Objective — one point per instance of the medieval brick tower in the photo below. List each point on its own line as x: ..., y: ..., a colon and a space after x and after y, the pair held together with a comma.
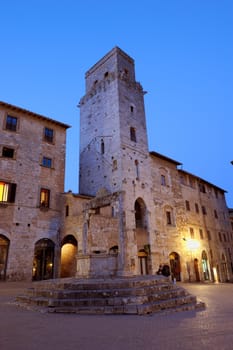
x: 114, y: 151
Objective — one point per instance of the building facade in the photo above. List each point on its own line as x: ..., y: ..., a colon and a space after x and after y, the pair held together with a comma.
x: 32, y: 163
x: 135, y: 209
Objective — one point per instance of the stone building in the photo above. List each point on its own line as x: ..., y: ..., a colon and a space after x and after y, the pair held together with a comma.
x: 135, y: 209
x: 32, y: 162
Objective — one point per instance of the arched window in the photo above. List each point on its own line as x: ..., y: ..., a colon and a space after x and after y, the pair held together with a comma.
x: 140, y: 214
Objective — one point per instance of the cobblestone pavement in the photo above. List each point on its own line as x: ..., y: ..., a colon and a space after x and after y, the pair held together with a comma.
x: 22, y: 329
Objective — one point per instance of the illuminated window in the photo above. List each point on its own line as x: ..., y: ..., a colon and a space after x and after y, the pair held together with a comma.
x: 8, y: 152
x: 7, y: 192
x: 47, y: 162
x: 48, y: 135
x: 11, y: 123
x: 44, y: 197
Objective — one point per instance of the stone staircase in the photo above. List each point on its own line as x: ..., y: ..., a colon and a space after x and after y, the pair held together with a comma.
x: 128, y: 295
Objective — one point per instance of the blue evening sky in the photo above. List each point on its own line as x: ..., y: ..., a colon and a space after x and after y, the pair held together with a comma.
x: 183, y: 51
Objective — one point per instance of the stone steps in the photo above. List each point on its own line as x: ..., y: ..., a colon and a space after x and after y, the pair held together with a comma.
x: 134, y: 295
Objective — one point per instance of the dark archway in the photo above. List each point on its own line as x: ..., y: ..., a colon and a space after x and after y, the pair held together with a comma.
x: 140, y: 214
x: 196, y: 270
x: 4, y: 248
x: 43, y: 263
x: 175, y: 265
x: 69, y: 247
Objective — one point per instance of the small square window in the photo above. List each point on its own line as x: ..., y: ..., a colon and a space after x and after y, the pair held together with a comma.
x: 11, y: 123
x: 48, y: 135
x: 44, y: 198
x: 47, y: 162
x: 8, y: 152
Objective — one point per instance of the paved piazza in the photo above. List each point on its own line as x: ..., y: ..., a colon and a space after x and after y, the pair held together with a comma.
x: 22, y: 329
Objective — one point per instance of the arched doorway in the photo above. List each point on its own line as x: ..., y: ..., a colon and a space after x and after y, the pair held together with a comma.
x: 175, y: 265
x: 4, y: 248
x: 140, y: 214
x: 43, y: 263
x: 68, y: 256
x: 205, y: 269
x: 196, y: 270
x: 143, y: 263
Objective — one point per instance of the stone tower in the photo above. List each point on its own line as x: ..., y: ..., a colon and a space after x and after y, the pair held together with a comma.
x: 114, y: 151
x: 113, y: 133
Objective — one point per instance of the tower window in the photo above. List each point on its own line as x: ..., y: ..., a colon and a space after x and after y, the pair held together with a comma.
x: 102, y: 146
x: 11, y: 123
x: 131, y: 109
x: 106, y: 75
x: 133, y: 134
x: 196, y: 208
x: 137, y: 169
x: 114, y: 164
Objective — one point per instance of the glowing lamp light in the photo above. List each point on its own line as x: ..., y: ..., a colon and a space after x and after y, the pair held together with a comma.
x: 192, y: 244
